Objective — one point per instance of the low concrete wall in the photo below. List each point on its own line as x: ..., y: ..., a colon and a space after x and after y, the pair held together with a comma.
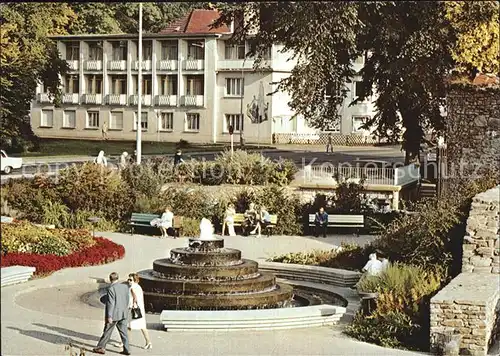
x: 469, y: 305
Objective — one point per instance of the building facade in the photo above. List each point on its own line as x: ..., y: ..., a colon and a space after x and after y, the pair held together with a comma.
x: 195, y: 84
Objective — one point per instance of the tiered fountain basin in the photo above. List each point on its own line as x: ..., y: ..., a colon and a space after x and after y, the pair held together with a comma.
x: 207, y: 287
x: 207, y: 276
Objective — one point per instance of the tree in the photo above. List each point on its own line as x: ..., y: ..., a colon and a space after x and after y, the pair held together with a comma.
x: 410, y: 49
x: 28, y: 58
x: 475, y: 24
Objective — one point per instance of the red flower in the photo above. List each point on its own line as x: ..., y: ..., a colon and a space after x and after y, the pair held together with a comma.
x: 104, y: 251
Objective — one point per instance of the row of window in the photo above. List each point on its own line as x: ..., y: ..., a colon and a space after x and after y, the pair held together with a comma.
x: 169, y: 50
x: 165, y: 120
x: 168, y: 85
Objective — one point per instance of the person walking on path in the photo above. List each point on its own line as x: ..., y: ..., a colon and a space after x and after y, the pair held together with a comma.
x: 137, y: 300
x: 104, y: 131
x: 320, y: 222
x: 115, y: 314
x: 178, y: 158
x: 329, y: 144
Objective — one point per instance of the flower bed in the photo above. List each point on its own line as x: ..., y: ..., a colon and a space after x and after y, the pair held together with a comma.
x: 104, y: 251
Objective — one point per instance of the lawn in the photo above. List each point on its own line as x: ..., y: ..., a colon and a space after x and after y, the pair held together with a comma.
x: 65, y: 147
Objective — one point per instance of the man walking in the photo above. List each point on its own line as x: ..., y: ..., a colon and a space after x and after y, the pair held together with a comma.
x: 329, y: 144
x: 116, y: 314
x: 104, y: 131
x: 321, y: 222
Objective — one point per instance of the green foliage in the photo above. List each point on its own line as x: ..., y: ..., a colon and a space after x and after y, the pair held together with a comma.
x: 348, y: 197
x: 93, y: 187
x: 25, y: 237
x: 28, y: 57
x: 277, y: 201
x: 391, y: 330
x: 349, y: 256
x: 401, y: 318
x: 144, y: 178
x: 418, y: 41
x: 190, y: 227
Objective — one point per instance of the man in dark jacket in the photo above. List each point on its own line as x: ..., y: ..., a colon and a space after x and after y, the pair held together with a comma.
x: 321, y: 222
x: 178, y: 158
x: 116, y: 314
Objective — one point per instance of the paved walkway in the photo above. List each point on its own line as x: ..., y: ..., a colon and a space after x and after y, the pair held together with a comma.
x: 42, y: 316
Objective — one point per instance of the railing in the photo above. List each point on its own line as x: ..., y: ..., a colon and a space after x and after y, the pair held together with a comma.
x: 92, y: 98
x: 380, y: 176
x: 407, y: 174
x: 146, y: 65
x: 167, y: 64
x: 72, y: 65
x: 117, y: 99
x: 194, y: 64
x: 44, y: 98
x: 321, y: 138
x: 145, y: 100
x: 235, y: 64
x: 166, y: 100
x: 70, y: 98
x: 192, y: 100
x: 92, y: 64
x: 118, y: 65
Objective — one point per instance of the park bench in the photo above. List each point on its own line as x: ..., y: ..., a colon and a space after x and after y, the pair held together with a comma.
x: 240, y: 218
x: 144, y: 220
x: 335, y: 221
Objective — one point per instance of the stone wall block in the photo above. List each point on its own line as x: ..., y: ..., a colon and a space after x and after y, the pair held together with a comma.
x: 479, y: 261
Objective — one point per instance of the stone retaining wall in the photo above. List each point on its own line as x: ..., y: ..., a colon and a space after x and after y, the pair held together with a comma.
x: 469, y: 306
x: 481, y: 248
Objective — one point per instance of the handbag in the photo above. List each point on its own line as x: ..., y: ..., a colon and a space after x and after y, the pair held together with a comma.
x: 136, y: 312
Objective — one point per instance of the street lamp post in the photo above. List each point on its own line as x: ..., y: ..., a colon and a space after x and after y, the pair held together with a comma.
x: 139, y: 93
x: 242, y: 143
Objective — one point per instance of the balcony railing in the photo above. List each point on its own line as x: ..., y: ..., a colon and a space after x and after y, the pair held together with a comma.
x: 134, y: 100
x: 92, y: 98
x: 146, y: 65
x: 118, y: 65
x: 117, y: 99
x: 194, y: 64
x: 192, y: 100
x: 72, y: 65
x: 93, y: 64
x: 44, y: 98
x: 167, y: 64
x: 166, y: 100
x: 70, y: 98
x: 235, y: 64
x: 381, y: 176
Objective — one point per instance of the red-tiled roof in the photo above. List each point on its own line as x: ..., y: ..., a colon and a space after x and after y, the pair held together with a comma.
x: 196, y: 22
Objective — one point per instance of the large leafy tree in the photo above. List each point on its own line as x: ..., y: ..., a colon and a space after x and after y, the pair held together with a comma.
x: 410, y: 47
x: 28, y: 57
x: 101, y: 18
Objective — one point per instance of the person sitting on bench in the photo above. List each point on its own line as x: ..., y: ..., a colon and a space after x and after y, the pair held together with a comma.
x: 320, y: 222
x: 262, y: 220
x: 166, y: 223
x: 250, y: 219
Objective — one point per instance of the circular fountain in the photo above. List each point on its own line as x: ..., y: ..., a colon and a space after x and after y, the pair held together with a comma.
x: 207, y: 276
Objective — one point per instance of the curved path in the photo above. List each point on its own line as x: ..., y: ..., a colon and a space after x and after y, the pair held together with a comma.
x: 42, y: 316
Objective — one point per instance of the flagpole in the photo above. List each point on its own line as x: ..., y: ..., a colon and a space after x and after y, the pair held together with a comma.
x: 139, y: 93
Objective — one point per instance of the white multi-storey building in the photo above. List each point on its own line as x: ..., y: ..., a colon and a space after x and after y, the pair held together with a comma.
x: 195, y: 84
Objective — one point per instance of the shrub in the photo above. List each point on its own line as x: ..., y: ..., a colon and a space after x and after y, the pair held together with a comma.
x: 143, y: 178
x: 422, y: 239
x: 288, y: 208
x: 350, y: 257
x: 402, y: 315
x: 95, y: 188
x: 28, y: 238
x: 190, y: 227
x: 104, y: 251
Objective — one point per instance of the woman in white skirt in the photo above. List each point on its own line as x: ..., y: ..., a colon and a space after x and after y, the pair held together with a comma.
x: 229, y: 220
x: 137, y: 299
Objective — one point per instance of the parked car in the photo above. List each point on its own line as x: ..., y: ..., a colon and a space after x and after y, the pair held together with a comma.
x: 9, y: 163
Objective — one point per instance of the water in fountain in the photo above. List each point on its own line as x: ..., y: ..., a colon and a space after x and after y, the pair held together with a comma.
x: 207, y: 276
